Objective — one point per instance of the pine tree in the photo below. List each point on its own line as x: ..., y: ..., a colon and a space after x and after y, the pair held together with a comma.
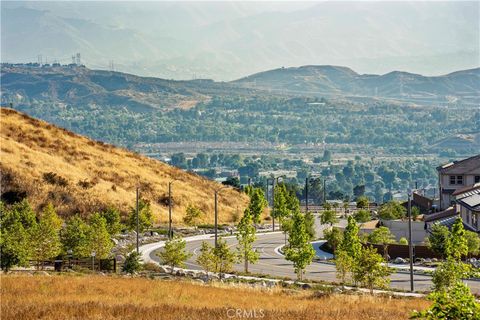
x: 15, y: 234
x: 45, y: 236
x: 206, y: 258
x: 74, y: 237
x: 246, y: 237
x: 98, y: 237
x: 299, y: 250
x: 174, y: 254
x: 223, y: 257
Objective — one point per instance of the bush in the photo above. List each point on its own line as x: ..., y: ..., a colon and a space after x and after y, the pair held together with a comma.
x: 132, y: 263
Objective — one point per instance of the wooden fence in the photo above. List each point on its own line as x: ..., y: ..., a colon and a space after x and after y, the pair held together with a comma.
x: 108, y: 265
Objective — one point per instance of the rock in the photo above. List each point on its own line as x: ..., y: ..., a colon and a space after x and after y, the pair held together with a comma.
x: 163, y: 269
x: 271, y: 284
x: 399, y: 260
x: 180, y: 273
x: 337, y: 290
x: 434, y: 260
x: 155, y: 234
x: 306, y: 286
x: 102, y: 274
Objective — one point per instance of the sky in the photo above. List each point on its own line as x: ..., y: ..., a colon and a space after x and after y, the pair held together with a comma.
x: 228, y: 40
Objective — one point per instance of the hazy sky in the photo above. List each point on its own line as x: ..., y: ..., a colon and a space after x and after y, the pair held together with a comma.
x: 228, y: 40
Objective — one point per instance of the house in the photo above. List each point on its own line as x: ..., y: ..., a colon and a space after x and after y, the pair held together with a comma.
x: 467, y: 202
x: 455, y: 176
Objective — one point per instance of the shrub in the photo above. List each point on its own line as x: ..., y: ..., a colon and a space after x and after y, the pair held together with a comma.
x: 132, y: 263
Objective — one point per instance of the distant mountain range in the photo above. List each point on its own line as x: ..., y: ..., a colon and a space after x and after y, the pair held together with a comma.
x: 461, y: 86
x: 228, y: 40
x: 82, y: 87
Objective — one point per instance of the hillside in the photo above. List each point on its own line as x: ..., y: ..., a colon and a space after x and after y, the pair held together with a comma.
x: 50, y: 164
x: 461, y: 86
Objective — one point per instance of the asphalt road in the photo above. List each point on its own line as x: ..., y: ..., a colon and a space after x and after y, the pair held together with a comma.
x: 273, y: 263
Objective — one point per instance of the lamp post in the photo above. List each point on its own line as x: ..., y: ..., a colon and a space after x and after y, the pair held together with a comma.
x: 170, y: 230
x: 410, y: 244
x: 216, y: 214
x: 307, y: 182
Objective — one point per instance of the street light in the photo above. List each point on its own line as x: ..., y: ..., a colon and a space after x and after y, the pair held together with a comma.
x: 216, y: 213
x: 170, y: 230
x: 410, y: 244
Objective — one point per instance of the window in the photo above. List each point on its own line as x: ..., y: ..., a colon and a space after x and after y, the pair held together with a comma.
x: 477, y: 179
x: 474, y: 220
x: 456, y: 180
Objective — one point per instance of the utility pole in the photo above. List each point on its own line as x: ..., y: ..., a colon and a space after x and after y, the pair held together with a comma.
x: 410, y: 244
x: 138, y: 251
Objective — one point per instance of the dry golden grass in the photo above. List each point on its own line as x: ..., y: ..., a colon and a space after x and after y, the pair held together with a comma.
x: 97, y: 174
x: 94, y: 297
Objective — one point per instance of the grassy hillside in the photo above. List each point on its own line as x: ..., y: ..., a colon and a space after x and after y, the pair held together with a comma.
x: 119, y: 298
x: 50, y: 164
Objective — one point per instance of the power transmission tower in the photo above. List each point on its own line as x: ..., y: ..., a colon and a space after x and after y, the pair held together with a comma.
x: 78, y: 58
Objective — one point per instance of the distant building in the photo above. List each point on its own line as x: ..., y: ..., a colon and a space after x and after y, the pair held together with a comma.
x: 457, y: 175
x: 468, y: 206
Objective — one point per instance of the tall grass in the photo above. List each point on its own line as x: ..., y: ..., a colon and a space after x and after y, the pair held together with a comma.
x: 95, y: 297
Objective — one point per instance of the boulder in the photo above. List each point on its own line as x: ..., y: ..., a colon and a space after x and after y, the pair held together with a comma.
x: 306, y: 286
x: 399, y: 260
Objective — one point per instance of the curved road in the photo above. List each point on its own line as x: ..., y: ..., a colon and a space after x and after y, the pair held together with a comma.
x: 273, y: 263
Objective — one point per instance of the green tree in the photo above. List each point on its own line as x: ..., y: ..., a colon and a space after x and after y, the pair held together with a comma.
x: 457, y: 245
x: 403, y: 241
x: 74, y: 236
x: 223, y: 257
x: 145, y: 216
x: 369, y: 270
x: 310, y: 225
x: 362, y: 216
x: 348, y: 251
x: 99, y: 239
x: 328, y: 217
x: 257, y: 204
x: 384, y: 237
x: 246, y: 237
x: 334, y: 237
x: 193, y: 215
x: 392, y: 210
x: 362, y: 202
x: 174, y: 253
x: 45, y: 236
x: 415, y: 213
x: 132, y: 263
x: 206, y: 258
x: 438, y: 239
x: 112, y: 217
x: 16, y: 224
x: 299, y: 250
x: 473, y: 242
